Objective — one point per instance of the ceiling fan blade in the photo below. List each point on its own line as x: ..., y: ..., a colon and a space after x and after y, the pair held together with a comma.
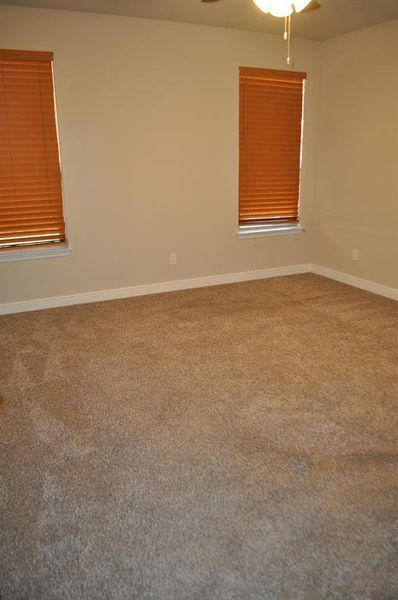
x: 210, y: 0
x: 313, y: 5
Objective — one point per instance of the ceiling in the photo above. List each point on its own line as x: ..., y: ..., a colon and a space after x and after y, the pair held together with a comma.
x: 334, y: 18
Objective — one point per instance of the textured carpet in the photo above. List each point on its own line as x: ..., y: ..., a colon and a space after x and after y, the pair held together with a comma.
x: 237, y: 442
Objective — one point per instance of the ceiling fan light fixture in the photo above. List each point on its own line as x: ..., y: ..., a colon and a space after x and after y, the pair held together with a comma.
x: 263, y: 5
x: 281, y: 8
x: 299, y: 5
x: 284, y: 9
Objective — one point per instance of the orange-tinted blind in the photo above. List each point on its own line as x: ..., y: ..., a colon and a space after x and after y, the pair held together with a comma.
x: 30, y: 178
x: 270, y: 117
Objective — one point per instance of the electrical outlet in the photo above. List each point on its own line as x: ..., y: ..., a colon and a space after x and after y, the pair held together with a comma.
x: 355, y: 254
x: 173, y: 258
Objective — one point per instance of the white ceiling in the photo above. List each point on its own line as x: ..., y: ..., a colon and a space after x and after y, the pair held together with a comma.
x: 334, y: 18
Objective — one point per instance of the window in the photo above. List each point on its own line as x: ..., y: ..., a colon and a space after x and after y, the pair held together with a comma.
x: 270, y: 126
x: 30, y: 177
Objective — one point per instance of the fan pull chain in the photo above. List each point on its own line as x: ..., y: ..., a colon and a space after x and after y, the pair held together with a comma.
x: 289, y: 38
x: 285, y: 34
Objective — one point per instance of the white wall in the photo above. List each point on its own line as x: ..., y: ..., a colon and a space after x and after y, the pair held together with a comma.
x: 148, y: 123
x: 357, y: 191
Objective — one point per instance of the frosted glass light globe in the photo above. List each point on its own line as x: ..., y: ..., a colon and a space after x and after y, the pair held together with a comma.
x: 281, y: 8
x: 263, y: 5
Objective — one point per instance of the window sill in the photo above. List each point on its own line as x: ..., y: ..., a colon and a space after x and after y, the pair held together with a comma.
x: 34, y: 253
x: 268, y: 230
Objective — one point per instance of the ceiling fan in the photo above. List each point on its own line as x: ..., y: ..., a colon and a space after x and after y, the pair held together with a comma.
x: 284, y: 9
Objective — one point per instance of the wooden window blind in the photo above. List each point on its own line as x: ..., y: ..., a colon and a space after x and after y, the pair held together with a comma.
x: 30, y: 178
x: 270, y: 124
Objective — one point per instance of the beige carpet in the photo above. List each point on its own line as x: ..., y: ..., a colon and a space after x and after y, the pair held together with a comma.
x: 230, y: 443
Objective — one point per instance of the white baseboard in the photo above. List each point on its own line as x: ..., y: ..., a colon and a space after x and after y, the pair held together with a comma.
x: 197, y: 282
x: 363, y: 284
x: 151, y: 288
